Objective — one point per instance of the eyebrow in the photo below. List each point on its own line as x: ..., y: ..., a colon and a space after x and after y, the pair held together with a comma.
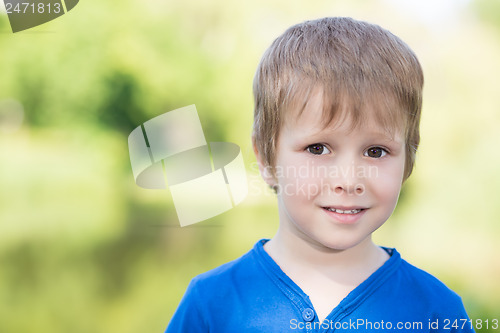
x: 383, y: 135
x: 372, y: 135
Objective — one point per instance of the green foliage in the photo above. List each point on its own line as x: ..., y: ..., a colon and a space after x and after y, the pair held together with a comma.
x: 83, y: 249
x: 489, y: 11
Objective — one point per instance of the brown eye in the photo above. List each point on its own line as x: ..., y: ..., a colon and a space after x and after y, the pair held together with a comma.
x: 317, y: 149
x: 376, y: 152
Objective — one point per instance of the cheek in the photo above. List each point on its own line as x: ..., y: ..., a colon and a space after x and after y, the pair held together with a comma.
x: 300, y: 177
x: 387, y: 184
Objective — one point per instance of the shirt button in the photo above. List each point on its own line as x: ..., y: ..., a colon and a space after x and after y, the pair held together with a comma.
x: 308, y: 314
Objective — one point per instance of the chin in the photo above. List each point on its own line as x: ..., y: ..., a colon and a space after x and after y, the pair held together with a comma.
x: 338, y: 244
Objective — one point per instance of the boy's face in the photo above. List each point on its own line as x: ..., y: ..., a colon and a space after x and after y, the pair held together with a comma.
x: 336, y: 185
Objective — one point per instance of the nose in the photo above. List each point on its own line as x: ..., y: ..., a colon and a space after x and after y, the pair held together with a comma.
x: 349, y: 178
x: 349, y: 189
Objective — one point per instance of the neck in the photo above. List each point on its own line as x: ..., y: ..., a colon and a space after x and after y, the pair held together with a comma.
x: 296, y: 254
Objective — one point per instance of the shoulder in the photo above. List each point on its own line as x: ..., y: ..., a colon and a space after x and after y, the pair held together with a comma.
x: 429, y: 289
x: 424, y: 280
x: 208, y: 294
x: 230, y: 274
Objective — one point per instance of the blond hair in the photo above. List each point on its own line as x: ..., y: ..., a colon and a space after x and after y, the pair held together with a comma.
x: 357, y: 65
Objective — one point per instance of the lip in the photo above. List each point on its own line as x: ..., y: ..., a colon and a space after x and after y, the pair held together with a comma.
x: 345, y: 218
x: 344, y: 207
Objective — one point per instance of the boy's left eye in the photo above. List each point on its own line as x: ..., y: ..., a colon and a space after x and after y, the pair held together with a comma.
x: 318, y: 149
x: 376, y: 152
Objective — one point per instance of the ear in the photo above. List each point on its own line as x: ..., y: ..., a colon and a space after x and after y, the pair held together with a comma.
x: 266, y: 171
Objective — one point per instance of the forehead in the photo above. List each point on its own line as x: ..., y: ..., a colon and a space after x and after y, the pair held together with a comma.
x: 317, y: 112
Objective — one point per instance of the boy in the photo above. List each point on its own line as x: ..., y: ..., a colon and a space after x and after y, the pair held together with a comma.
x: 338, y: 100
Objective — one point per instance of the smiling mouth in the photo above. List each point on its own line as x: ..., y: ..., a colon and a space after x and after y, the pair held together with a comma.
x: 350, y: 211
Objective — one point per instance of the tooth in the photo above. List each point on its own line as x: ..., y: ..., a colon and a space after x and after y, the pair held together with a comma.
x: 352, y: 211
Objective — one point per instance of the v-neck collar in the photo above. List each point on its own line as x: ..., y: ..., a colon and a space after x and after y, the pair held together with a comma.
x: 355, y: 298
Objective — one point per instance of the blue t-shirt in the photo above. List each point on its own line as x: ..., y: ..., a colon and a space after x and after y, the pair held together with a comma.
x: 252, y: 294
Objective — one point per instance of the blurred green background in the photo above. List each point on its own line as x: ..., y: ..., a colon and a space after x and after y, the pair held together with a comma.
x: 83, y: 249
